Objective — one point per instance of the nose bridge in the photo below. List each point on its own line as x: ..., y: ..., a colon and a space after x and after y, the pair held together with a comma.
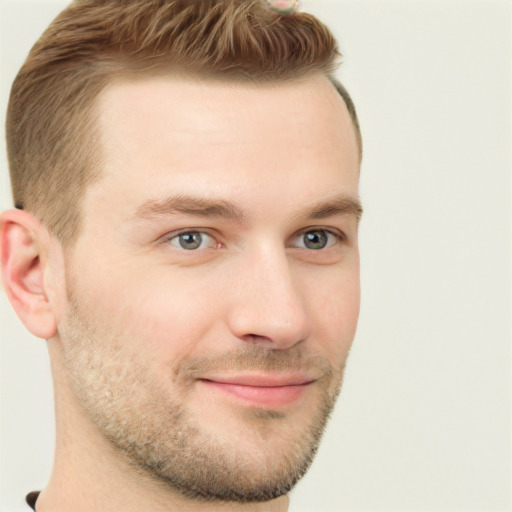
x: 268, y: 308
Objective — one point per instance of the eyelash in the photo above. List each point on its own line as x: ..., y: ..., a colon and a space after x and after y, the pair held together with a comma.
x: 338, y: 236
x: 177, y: 234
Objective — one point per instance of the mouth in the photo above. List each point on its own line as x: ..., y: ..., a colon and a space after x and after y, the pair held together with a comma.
x: 261, y: 390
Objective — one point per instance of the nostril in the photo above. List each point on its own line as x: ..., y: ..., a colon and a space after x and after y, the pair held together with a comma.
x: 269, y: 331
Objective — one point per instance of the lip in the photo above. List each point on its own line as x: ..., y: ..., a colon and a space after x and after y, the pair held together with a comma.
x: 261, y: 390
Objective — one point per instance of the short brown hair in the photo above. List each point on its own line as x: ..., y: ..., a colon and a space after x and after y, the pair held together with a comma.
x: 51, y: 137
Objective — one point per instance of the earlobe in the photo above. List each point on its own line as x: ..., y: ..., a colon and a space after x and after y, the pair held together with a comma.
x: 23, y: 257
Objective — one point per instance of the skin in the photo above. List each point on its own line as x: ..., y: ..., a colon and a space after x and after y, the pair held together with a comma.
x: 283, y: 6
x: 143, y: 333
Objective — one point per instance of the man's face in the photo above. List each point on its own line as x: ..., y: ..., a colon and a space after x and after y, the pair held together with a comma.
x: 213, y: 294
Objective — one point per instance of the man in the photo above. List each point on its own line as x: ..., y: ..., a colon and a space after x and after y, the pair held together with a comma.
x: 185, y: 176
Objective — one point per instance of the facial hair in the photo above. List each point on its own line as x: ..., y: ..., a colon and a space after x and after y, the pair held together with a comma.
x: 146, y: 419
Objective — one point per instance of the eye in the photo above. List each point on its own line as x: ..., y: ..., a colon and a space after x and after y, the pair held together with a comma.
x: 192, y: 240
x: 317, y: 239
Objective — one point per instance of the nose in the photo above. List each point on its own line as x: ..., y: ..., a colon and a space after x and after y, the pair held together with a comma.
x: 267, y: 308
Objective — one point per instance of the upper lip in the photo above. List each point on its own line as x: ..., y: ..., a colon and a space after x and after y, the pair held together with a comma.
x: 262, y: 380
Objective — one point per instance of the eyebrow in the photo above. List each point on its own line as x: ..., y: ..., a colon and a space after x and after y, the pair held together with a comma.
x: 190, y: 205
x: 342, y: 205
x: 207, y: 207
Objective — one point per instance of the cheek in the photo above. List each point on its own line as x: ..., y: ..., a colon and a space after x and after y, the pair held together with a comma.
x: 336, y: 311
x: 165, y: 317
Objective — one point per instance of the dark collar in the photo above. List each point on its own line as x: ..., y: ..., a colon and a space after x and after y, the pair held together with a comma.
x: 32, y: 498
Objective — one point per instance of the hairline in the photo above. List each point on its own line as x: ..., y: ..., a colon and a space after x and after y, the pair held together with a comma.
x: 87, y: 129
x: 139, y: 71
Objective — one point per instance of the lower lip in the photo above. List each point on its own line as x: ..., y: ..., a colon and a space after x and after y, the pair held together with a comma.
x: 277, y: 396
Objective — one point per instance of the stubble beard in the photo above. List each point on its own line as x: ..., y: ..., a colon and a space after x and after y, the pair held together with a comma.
x: 160, y: 438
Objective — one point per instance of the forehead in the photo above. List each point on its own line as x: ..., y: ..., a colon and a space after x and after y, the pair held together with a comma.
x: 182, y: 107
x: 168, y: 133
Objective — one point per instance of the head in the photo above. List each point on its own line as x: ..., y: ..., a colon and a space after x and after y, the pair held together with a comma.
x: 188, y: 179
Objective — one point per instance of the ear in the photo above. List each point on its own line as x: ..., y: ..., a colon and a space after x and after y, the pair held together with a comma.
x: 24, y: 249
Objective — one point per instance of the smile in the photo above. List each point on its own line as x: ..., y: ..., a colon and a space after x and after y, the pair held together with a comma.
x: 261, y: 390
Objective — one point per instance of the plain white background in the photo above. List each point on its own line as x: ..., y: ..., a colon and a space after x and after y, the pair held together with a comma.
x: 424, y: 420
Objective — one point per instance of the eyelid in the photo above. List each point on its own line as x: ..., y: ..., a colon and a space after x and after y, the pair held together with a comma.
x: 337, y: 233
x: 171, y: 235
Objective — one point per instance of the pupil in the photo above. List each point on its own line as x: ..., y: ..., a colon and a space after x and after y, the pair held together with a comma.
x: 190, y: 240
x: 315, y: 239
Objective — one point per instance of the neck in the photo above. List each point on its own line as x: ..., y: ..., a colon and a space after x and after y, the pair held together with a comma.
x: 90, y: 475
